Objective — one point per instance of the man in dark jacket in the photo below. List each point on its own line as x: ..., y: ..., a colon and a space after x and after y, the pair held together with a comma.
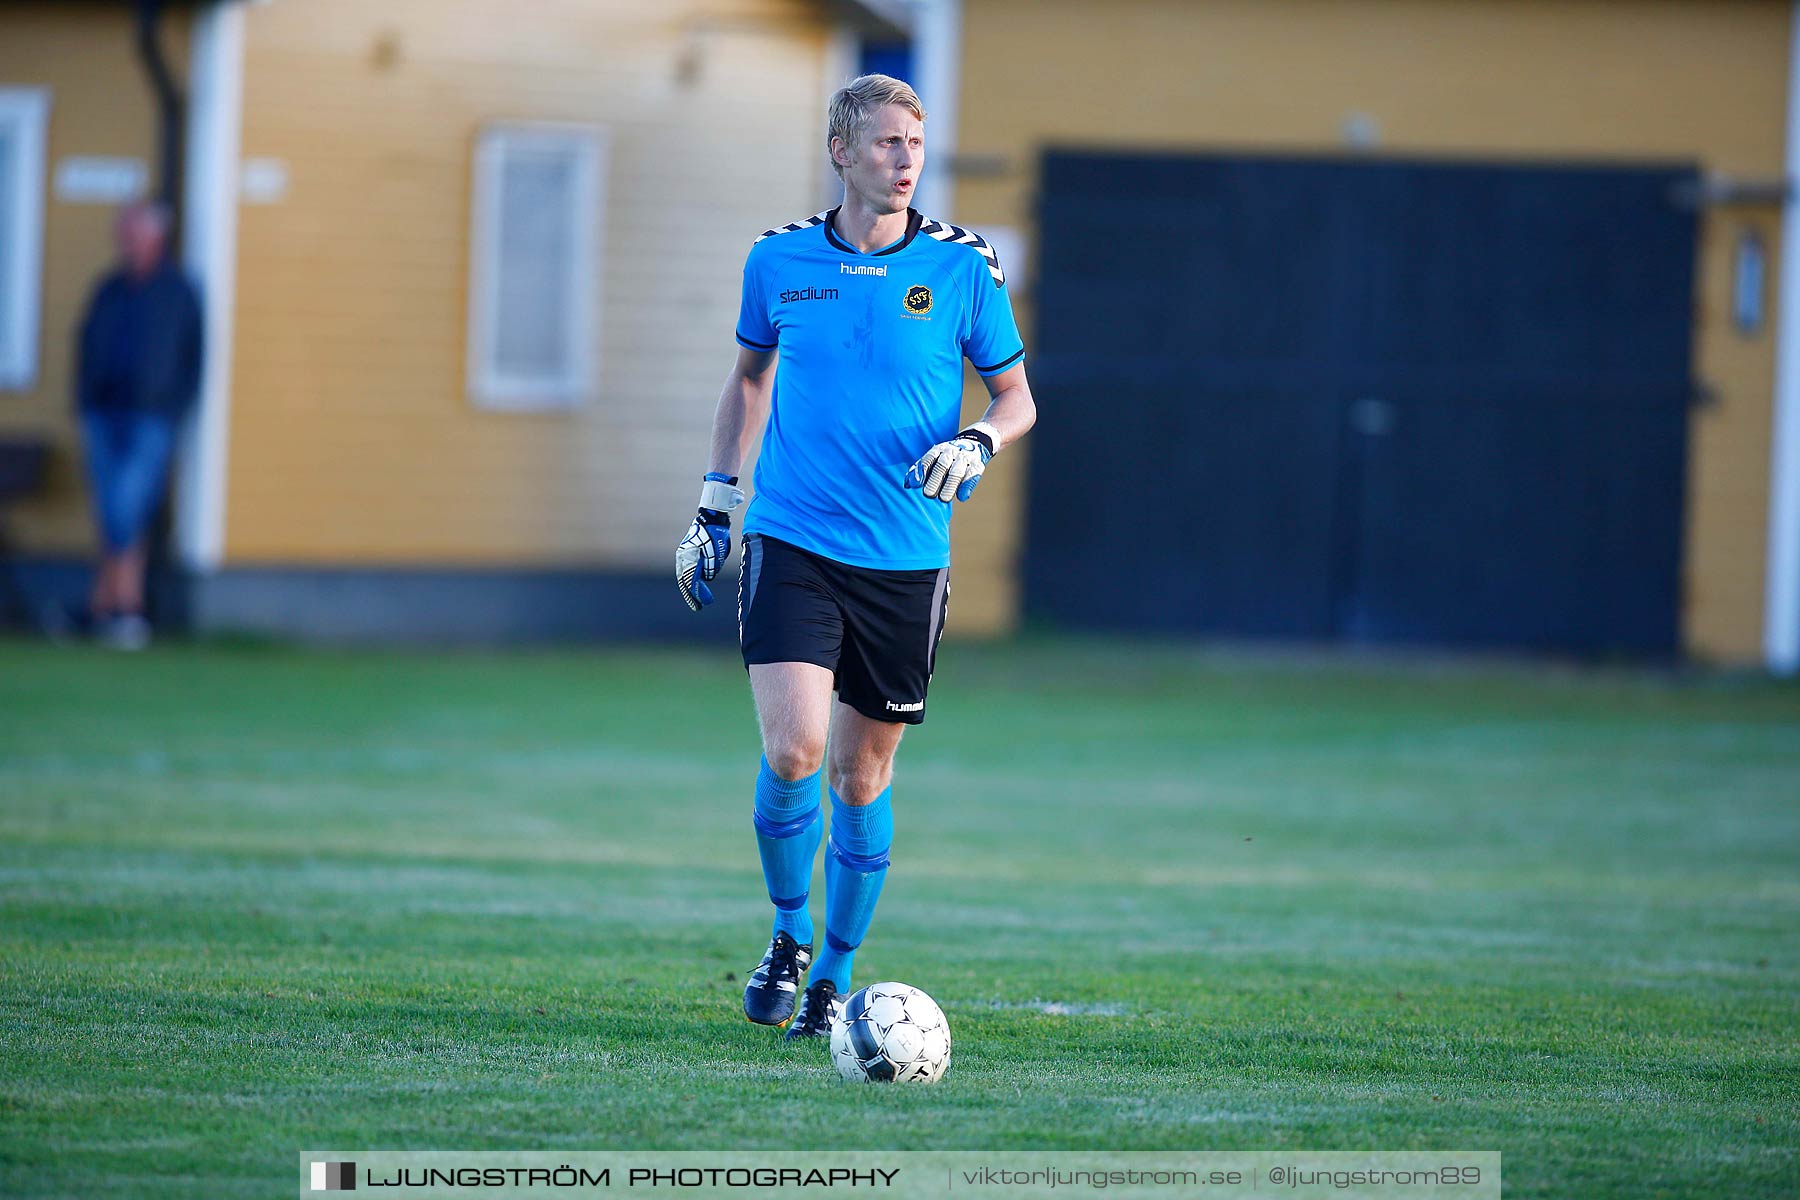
x: 137, y: 376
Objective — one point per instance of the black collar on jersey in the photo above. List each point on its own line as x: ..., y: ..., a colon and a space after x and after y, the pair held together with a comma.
x: 913, y: 221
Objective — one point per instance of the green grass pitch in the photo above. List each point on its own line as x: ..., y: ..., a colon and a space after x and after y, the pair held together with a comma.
x: 258, y: 900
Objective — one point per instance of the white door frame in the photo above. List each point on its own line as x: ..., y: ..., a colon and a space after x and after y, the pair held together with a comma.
x: 209, y: 205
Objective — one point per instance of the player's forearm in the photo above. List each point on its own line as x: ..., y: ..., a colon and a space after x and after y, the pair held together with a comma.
x: 743, y: 407
x: 1012, y: 413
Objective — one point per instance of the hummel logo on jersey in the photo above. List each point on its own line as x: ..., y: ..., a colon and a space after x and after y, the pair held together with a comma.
x: 915, y: 706
x: 860, y: 269
x: 810, y: 293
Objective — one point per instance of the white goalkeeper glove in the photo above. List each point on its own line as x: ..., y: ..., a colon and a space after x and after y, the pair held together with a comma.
x: 950, y: 470
x: 708, y: 542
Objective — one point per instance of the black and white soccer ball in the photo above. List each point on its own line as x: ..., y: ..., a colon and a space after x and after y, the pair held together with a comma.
x: 891, y: 1033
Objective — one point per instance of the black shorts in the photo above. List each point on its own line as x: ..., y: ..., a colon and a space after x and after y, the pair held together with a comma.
x: 876, y: 631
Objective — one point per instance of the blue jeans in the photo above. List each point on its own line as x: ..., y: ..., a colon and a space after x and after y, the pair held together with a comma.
x: 128, y: 456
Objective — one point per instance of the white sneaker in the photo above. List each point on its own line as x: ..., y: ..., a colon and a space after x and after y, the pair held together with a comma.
x: 130, y: 632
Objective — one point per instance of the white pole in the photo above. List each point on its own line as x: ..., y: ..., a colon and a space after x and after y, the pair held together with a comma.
x: 937, y: 50
x: 210, y: 198
x: 1781, y: 616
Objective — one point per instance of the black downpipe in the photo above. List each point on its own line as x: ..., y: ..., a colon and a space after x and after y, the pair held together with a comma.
x: 166, y: 587
x: 169, y: 106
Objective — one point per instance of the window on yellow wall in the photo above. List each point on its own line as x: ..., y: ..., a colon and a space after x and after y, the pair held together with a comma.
x: 23, y: 113
x: 534, y: 265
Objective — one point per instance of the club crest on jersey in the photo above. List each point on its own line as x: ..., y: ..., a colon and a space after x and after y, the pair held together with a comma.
x: 918, y: 300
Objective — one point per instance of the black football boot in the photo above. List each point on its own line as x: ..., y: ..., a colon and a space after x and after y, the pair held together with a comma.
x: 769, y: 996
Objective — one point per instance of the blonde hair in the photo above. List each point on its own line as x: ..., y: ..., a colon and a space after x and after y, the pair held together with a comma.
x: 853, y: 109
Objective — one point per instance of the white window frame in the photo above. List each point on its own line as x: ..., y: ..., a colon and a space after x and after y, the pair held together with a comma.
x: 27, y: 112
x: 488, y: 385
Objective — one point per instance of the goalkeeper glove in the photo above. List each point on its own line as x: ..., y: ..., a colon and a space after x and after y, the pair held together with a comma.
x: 952, y: 469
x: 708, y: 542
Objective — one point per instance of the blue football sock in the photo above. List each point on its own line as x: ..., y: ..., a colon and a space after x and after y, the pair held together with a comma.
x: 854, y: 868
x: 788, y: 825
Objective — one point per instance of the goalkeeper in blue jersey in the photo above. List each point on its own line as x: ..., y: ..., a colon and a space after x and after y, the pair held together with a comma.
x: 870, y: 309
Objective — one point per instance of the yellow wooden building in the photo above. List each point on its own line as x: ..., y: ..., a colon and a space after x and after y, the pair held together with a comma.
x: 1710, y: 82
x: 421, y: 417
x: 471, y: 274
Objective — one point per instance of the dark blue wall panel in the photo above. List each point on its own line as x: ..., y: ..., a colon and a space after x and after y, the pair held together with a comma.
x: 888, y: 58
x: 1388, y: 401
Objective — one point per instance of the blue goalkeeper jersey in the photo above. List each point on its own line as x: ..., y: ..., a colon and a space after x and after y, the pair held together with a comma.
x: 870, y: 377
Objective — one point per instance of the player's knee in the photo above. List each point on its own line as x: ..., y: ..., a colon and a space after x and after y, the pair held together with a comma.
x: 860, y: 780
x: 796, y: 759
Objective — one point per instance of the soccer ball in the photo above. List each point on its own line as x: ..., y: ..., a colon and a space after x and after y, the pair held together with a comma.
x: 891, y: 1033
